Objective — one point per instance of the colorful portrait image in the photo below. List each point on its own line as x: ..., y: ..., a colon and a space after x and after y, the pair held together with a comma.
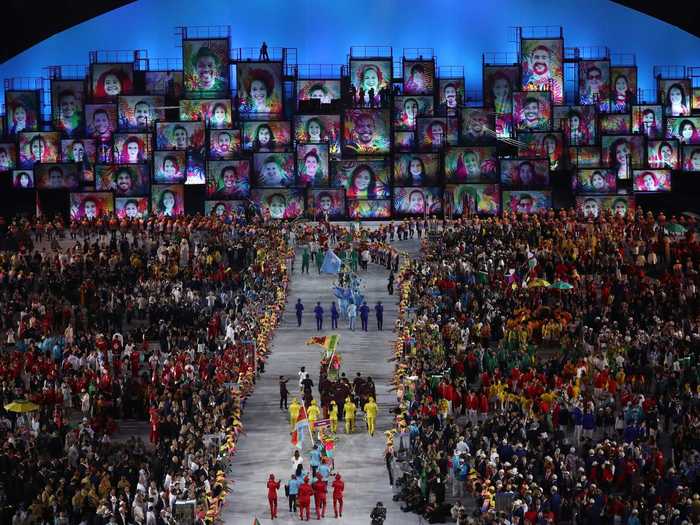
x: 615, y: 123
x: 312, y: 165
x: 315, y: 129
x: 82, y: 151
x: 180, y: 135
x: 542, y: 144
x: 472, y: 199
x: 471, y: 164
x: 691, y: 158
x: 265, y: 136
x: 527, y: 201
x: 23, y: 179
x: 224, y: 208
x: 663, y: 154
x: 273, y: 170
x: 327, y: 203
x: 685, y: 129
x: 21, y: 111
x: 165, y: 83
x: 532, y: 111
x: 131, y: 207
x: 477, y: 126
x: 417, y: 201
x: 450, y: 95
x: 652, y: 181
x: 67, y: 106
x: 280, y: 204
x: 216, y: 113
x: 524, y: 173
x: 416, y: 169
x: 90, y: 205
x: 57, y: 176
x: 224, y: 143
x: 205, y: 64
x: 362, y: 178
x: 404, y: 140
x: 36, y: 146
x: 594, y: 180
x: 132, y: 148
x: 622, y: 153
x: 500, y: 82
x: 362, y: 209
x: 623, y: 88
x: 259, y: 89
x: 594, y: 83
x: 139, y: 112
x: 8, y: 156
x: 418, y: 77
x: 125, y: 180
x: 168, y: 200
x: 695, y: 101
x: 432, y: 133
x: 100, y: 121
x: 228, y: 179
x: 327, y: 91
x: 169, y: 167
x: 541, y: 66
x: 369, y: 75
x: 578, y: 124
x: 591, y: 207
x: 366, y: 131
x: 407, y: 109
x: 111, y: 80
x: 648, y: 120
x: 675, y: 95
x: 584, y: 156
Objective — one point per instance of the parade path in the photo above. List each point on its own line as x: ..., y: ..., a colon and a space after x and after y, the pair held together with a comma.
x: 266, y: 447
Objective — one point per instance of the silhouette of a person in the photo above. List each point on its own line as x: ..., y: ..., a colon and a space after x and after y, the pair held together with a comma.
x: 263, y: 52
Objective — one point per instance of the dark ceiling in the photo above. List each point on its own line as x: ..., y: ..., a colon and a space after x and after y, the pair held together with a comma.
x: 28, y: 24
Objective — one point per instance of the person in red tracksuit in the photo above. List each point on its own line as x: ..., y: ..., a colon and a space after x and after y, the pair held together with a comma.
x: 338, y: 488
x: 483, y: 406
x: 304, y: 499
x: 320, y: 491
x: 272, y: 486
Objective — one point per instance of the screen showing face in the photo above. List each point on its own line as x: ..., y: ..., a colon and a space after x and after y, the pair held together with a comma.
x: 584, y: 157
x: 417, y: 201
x: 169, y: 167
x: 591, y: 207
x: 267, y: 136
x: 451, y: 95
x: 663, y: 154
x: 327, y: 203
x: 8, y: 156
x: 594, y: 83
x: 327, y: 91
x: 315, y: 129
x: 527, y: 201
x: 621, y: 153
x: 473, y: 164
x: 23, y: 179
x: 224, y: 143
x: 615, y: 123
x: 407, y: 109
x: 418, y: 77
x: 366, y: 75
x: 90, y: 205
x: 124, y: 180
x: 206, y: 71
x: 432, y: 133
x: 416, y: 169
x: 361, y: 209
x: 312, y: 165
x: 100, y: 121
x: 216, y: 114
x: 578, y: 124
x: 366, y: 132
x: 542, y: 145
x: 67, y: 100
x: 279, y: 204
x: 524, y: 173
x: 623, y: 88
x: 132, y: 148
x: 83, y: 151
x: 685, y: 129
x: 259, y: 89
x: 228, y: 179
x: 499, y: 84
x: 532, y: 111
x: 652, y: 181
x: 140, y: 112
x: 21, y: 111
x: 676, y: 96
x: 56, y: 176
x: 647, y: 120
x: 477, y: 126
x: 37, y: 146
x: 594, y: 180
x: 472, y: 199
x: 362, y: 179
x: 691, y: 158
x: 224, y: 208
x: 168, y: 200
x: 111, y: 80
x: 274, y: 170
x: 131, y: 207
x: 179, y: 135
x: 166, y: 83
x: 541, y: 66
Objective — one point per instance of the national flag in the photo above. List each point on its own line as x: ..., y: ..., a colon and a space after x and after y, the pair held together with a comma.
x: 331, y: 263
x: 256, y: 521
x: 329, y: 342
x: 321, y: 423
x: 301, y: 424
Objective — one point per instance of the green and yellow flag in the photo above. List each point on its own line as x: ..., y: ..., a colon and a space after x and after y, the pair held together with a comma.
x: 329, y: 342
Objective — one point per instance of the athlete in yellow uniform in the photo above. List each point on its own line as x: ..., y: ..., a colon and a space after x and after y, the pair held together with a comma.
x: 349, y: 410
x: 371, y: 412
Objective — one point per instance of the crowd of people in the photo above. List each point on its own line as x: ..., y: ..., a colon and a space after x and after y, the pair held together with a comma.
x: 546, y: 372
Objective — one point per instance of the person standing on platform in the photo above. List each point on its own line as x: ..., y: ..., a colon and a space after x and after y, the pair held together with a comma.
x: 334, y: 316
x: 352, y: 315
x: 263, y: 52
x: 364, y: 315
x: 379, y: 310
x: 283, y: 393
x: 272, y: 486
x: 338, y: 488
x: 318, y: 311
x: 390, y: 285
x: 370, y: 409
x: 319, y: 260
x: 304, y: 499
x: 305, y: 260
x: 349, y: 410
x: 320, y: 491
x: 300, y: 309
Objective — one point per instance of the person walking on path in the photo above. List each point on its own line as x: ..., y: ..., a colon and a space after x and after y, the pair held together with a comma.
x: 318, y: 312
x: 333, y: 416
x: 349, y: 410
x: 320, y: 491
x: 315, y: 460
x: 300, y: 309
x: 379, y: 310
x: 370, y: 409
x: 338, y: 489
x: 390, y: 285
x: 305, y: 260
x: 319, y: 260
x: 283, y: 393
x: 272, y: 486
x: 304, y: 499
x: 364, y: 316
x: 352, y: 315
x: 335, y: 314
x: 293, y: 489
x: 294, y: 409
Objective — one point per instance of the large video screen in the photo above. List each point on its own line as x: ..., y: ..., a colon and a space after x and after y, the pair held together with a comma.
x: 111, y: 80
x: 8, y: 156
x: 541, y: 66
x: 362, y: 178
x: 477, y: 127
x: 648, y: 120
x: 417, y: 201
x: 471, y: 164
x: 180, y: 135
x: 280, y: 203
x: 132, y: 148
x: 418, y: 77
x: 594, y: 83
x: 450, y: 96
x: 416, y: 169
x: 224, y: 143
x: 407, y: 109
x: 90, y: 205
x: 584, y: 156
x: 527, y: 201
x: 524, y: 173
x: 83, y: 151
x: 36, y: 146
x: 215, y: 113
x: 326, y: 203
x: 228, y: 179
x: 623, y: 88
x: 591, y: 207
x: 126, y: 180
x: 691, y: 158
x: 685, y: 129
x: 140, y: 112
x: 363, y: 209
x: 532, y: 111
x: 166, y: 83
x: 266, y: 136
x: 206, y: 70
x: 67, y: 106
x: 23, y: 179
x: 652, y: 181
x: 274, y: 170
x: 549, y: 145
x: 169, y: 167
x: 327, y: 91
x: 260, y: 91
x: 56, y: 176
x: 366, y: 131
x: 100, y: 121
x: 675, y: 95
x: 168, y: 200
x: 579, y: 124
x: 500, y: 82
x: 314, y: 129
x: 594, y: 180
x: 21, y: 111
x: 663, y: 154
x: 312, y: 165
x: 131, y: 207
x: 615, y: 123
x: 472, y: 199
x: 370, y: 76
x: 224, y: 208
x: 621, y: 153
